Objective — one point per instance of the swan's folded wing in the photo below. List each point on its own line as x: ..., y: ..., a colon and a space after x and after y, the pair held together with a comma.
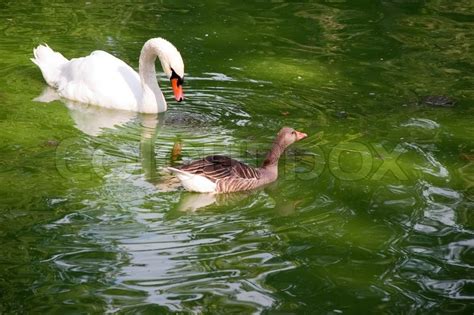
x: 100, y: 79
x: 217, y: 167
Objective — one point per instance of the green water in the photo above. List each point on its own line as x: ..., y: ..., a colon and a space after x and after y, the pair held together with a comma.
x: 373, y: 213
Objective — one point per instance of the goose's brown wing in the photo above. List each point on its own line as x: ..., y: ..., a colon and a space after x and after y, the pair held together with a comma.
x: 217, y: 167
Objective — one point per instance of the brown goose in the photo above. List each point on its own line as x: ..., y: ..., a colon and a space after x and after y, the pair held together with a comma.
x: 221, y: 174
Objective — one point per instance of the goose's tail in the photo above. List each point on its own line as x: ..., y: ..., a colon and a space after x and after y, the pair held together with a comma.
x: 179, y: 173
x: 49, y: 62
x: 193, y: 182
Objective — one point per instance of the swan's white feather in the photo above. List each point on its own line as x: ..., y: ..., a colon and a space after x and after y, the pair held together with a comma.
x: 193, y: 182
x: 100, y: 78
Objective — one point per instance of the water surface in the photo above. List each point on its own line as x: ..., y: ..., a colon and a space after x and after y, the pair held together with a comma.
x: 371, y: 214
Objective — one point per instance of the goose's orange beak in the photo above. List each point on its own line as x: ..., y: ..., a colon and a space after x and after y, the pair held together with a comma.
x: 300, y: 135
x: 177, y: 90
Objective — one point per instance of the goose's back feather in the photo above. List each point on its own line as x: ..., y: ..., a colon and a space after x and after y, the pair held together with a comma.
x: 217, y: 167
x: 228, y: 174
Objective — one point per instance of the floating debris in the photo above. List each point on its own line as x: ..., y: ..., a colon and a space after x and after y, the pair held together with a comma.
x: 341, y: 114
x: 467, y: 157
x: 438, y: 100
x: 176, y: 151
x: 51, y: 143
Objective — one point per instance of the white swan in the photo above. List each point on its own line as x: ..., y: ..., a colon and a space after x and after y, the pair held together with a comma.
x: 104, y: 80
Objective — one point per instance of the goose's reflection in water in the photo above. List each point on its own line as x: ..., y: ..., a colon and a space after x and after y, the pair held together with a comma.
x: 282, y: 205
x: 191, y: 201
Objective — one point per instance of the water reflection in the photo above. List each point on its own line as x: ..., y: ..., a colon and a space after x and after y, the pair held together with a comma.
x: 123, y: 238
x: 91, y: 120
x: 174, y: 262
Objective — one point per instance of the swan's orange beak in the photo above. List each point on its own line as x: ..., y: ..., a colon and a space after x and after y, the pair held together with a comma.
x: 177, y: 90
x: 300, y: 135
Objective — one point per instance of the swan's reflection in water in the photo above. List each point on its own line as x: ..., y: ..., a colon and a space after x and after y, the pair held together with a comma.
x: 95, y: 121
x: 91, y: 120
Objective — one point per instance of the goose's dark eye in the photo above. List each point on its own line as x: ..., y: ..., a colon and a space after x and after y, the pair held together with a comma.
x: 293, y: 132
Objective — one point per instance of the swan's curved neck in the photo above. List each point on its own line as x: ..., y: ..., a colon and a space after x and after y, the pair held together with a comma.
x: 153, y: 100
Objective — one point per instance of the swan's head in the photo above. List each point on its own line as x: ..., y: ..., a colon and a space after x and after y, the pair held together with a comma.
x: 172, y: 64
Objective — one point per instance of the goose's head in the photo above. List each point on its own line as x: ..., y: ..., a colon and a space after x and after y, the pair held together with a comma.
x: 172, y: 64
x: 288, y: 136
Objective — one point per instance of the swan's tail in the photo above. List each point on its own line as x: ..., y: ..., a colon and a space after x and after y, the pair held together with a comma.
x: 49, y: 62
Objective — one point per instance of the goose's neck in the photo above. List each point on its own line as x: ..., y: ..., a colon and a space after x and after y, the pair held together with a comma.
x: 153, y: 100
x: 271, y: 161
